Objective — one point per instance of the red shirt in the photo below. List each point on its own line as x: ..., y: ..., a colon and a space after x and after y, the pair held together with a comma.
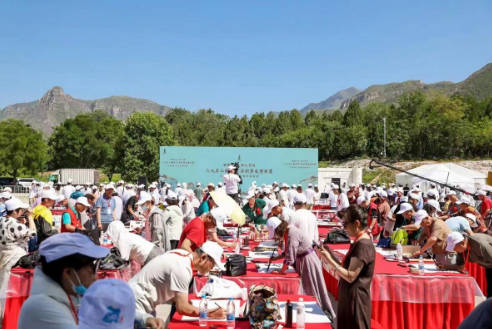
x: 195, y: 232
x: 486, y: 206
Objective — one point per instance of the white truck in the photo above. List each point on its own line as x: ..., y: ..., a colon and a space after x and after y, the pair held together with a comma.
x: 78, y: 176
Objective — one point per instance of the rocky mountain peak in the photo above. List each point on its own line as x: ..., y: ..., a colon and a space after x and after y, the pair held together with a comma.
x: 55, y: 94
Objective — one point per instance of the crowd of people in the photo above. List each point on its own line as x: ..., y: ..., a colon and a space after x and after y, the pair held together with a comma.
x: 181, y: 230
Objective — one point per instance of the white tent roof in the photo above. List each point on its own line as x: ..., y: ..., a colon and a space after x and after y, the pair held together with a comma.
x: 445, y: 173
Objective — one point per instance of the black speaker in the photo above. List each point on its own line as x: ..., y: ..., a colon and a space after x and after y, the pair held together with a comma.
x: 142, y: 180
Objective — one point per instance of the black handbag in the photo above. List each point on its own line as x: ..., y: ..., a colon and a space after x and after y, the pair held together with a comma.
x: 43, y: 229
x: 337, y: 236
x: 235, y: 265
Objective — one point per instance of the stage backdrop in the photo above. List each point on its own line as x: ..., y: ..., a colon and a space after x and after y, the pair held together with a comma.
x: 263, y: 165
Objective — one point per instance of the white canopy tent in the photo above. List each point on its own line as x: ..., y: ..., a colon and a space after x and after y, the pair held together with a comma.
x: 444, y: 173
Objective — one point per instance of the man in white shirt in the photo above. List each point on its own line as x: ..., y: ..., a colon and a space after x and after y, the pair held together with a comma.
x: 290, y: 194
x: 333, y: 197
x: 283, y: 195
x: 310, y: 195
x: 166, y: 279
x: 68, y: 189
x: 304, y: 219
x: 232, y: 182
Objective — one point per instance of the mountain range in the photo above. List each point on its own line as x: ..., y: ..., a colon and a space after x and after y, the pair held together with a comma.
x: 478, y: 85
x: 56, y: 106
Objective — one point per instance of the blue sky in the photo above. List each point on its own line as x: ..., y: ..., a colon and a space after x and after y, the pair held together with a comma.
x: 236, y: 57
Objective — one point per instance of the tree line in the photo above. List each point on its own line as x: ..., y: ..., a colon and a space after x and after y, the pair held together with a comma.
x: 417, y: 127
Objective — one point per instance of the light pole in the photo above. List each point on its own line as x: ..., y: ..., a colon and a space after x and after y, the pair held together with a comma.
x: 384, y: 138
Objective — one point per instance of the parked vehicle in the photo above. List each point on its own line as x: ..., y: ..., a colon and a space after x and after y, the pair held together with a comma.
x: 4, y: 181
x: 25, y: 182
x: 77, y: 176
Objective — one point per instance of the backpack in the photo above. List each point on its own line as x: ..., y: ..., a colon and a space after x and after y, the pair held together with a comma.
x: 235, y: 265
x: 43, y: 229
x: 264, y: 309
x: 337, y: 236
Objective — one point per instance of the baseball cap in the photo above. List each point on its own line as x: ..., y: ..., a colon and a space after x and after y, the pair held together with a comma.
x: 431, y: 193
x: 453, y: 239
x: 434, y: 204
x: 272, y: 224
x: 361, y: 199
x: 250, y: 195
x: 294, y: 186
x: 285, y: 185
x: 219, y: 215
x: 102, y: 310
x: 171, y: 196
x: 83, y: 201
x: 14, y: 204
x: 414, y: 196
x: 78, y: 187
x: 144, y: 197
x: 420, y: 215
x: 472, y: 217
x: 403, y: 199
x: 300, y: 198
x: 109, y: 186
x: 481, y: 192
x: 65, y: 244
x: 404, y: 207
x: 463, y: 200
x: 49, y: 194
x: 215, y: 252
x: 178, y: 185
x: 5, y: 195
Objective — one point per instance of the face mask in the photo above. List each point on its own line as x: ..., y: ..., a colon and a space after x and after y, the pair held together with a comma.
x: 79, y: 289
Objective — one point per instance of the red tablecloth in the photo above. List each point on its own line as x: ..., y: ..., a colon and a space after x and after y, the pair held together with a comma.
x: 19, y: 289
x: 289, y: 284
x: 478, y: 272
x: 404, y: 300
x: 176, y: 322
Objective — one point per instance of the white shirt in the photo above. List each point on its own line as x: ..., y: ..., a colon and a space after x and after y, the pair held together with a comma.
x: 119, y: 190
x: 161, y: 279
x: 67, y: 190
x: 306, y: 221
x: 310, y: 195
x: 231, y: 181
x: 288, y: 215
x: 343, y: 202
x: 284, y: 197
x: 333, y: 199
x: 131, y: 246
x: 118, y: 207
x: 290, y: 194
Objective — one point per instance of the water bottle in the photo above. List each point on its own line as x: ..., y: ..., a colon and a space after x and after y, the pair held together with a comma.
x: 300, y: 314
x: 399, y: 252
x: 421, y: 265
x: 288, y: 314
x: 203, y: 309
x: 237, y: 249
x: 231, y: 314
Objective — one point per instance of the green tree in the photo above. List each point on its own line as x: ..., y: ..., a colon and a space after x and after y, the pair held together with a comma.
x: 86, y: 141
x: 23, y: 150
x: 138, y: 149
x: 353, y: 115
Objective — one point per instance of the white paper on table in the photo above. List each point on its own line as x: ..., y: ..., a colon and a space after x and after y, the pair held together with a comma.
x: 385, y: 252
x: 313, y: 313
x: 432, y: 268
x: 262, y: 268
x: 262, y: 254
x: 212, y: 306
x: 268, y: 244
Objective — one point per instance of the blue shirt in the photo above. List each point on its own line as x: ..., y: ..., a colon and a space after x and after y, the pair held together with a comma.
x: 66, y: 216
x: 107, y: 207
x: 3, y: 210
x: 458, y: 224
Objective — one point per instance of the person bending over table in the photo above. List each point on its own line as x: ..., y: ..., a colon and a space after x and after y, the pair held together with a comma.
x: 299, y: 251
x: 68, y: 268
x: 254, y: 209
x: 356, y: 272
x: 436, y: 231
x: 166, y: 279
x: 479, y: 247
x: 196, y: 232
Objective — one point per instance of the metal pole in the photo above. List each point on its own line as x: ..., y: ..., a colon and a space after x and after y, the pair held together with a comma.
x: 384, y: 139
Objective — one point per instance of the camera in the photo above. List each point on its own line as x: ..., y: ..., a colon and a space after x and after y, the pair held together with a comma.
x: 236, y: 167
